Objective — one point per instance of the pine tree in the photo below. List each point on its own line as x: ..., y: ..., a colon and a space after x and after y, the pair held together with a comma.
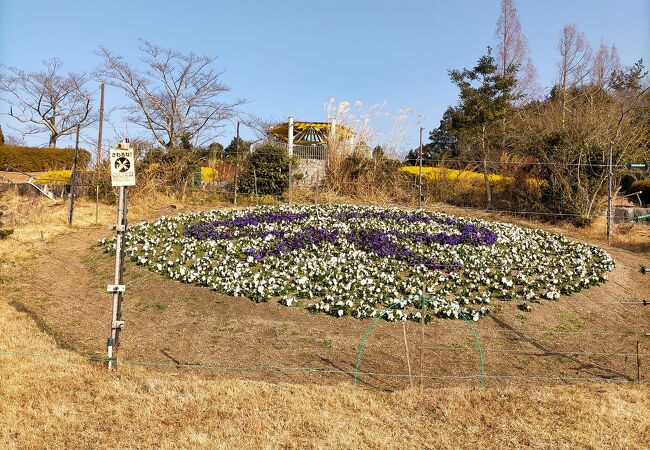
x: 486, y: 96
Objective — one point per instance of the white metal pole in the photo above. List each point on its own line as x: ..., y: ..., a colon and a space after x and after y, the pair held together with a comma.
x: 290, y: 137
x: 290, y: 152
x: 117, y: 288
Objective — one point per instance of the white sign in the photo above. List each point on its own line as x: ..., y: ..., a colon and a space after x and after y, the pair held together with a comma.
x: 122, y: 167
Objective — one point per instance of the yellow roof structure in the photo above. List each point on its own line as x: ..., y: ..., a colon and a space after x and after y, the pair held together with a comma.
x: 307, y: 133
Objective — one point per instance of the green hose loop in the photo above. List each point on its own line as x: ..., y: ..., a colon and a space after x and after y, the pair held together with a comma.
x: 478, y: 346
x: 424, y: 300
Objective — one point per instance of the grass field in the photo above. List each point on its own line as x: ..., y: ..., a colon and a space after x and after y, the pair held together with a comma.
x: 52, y: 301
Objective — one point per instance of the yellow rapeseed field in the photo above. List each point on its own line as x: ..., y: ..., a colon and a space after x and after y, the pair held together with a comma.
x: 54, y: 177
x: 433, y: 173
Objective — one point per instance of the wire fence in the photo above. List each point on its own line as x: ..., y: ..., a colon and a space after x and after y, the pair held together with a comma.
x: 512, y: 351
x: 539, y: 354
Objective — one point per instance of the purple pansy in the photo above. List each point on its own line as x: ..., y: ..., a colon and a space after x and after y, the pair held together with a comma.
x: 384, y: 244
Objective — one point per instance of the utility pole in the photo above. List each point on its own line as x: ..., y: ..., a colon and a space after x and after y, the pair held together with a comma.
x: 101, y: 123
x: 234, y: 202
x: 73, y: 178
x: 420, y: 175
x: 610, y: 218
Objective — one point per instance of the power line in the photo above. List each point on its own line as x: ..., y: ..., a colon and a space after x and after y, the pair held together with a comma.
x: 520, y: 163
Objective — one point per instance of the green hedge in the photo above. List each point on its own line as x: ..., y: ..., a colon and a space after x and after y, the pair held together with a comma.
x: 644, y: 187
x: 36, y: 159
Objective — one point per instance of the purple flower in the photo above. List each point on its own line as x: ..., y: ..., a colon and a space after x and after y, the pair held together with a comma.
x: 380, y: 243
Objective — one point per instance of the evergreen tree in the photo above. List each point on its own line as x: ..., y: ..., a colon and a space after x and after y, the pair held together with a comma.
x: 2, y: 136
x: 230, y: 152
x: 485, y: 98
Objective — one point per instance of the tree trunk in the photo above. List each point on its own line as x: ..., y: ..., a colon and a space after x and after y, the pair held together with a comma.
x: 488, y: 191
x: 486, y: 179
x: 52, y: 143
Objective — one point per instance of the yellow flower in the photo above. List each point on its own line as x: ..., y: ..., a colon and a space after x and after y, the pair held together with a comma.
x: 209, y: 175
x: 54, y: 177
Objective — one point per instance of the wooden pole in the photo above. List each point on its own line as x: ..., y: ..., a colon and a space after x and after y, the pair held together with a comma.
x: 610, y: 221
x: 257, y: 200
x: 408, y: 359
x: 73, y: 178
x: 420, y: 174
x: 638, y: 363
x: 424, y: 315
x: 96, y: 204
x: 101, y: 124
x: 234, y: 202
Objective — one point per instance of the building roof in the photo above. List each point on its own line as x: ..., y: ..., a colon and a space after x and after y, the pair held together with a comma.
x: 307, y: 133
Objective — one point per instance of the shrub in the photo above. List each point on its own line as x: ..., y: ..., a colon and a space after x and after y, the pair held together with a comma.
x: 170, y: 170
x: 33, y: 159
x: 268, y: 167
x: 644, y: 187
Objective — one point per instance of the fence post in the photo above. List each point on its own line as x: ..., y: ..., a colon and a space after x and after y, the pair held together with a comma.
x: 257, y: 199
x: 610, y: 177
x: 638, y: 363
x: 73, y: 178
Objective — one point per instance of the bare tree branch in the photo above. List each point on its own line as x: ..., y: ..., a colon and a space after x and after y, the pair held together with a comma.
x: 175, y: 95
x: 48, y: 101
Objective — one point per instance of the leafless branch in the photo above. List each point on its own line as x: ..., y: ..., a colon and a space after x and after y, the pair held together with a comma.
x: 175, y: 95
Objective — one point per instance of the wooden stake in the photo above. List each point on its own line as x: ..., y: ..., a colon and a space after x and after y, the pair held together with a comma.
x: 234, y: 200
x: 73, y: 178
x: 96, y: 204
x: 638, y: 363
x: 257, y: 200
x: 408, y: 359
x: 101, y: 124
x: 424, y: 315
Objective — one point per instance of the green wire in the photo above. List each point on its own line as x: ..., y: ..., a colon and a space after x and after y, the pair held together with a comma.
x: 424, y: 299
x: 365, y: 336
x: 478, y: 346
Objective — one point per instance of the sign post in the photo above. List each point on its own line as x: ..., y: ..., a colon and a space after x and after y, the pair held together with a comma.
x: 122, y: 175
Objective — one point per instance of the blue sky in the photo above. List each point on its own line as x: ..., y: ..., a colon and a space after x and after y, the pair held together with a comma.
x: 290, y: 58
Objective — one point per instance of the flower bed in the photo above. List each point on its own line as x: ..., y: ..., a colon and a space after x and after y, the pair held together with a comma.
x: 355, y: 261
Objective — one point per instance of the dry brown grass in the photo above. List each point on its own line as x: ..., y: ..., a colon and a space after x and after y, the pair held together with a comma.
x: 53, y: 398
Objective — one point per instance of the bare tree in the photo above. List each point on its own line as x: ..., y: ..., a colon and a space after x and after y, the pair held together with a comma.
x: 176, y: 95
x: 512, y: 50
x: 574, y: 148
x: 575, y: 63
x: 47, y: 101
x: 605, y: 63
